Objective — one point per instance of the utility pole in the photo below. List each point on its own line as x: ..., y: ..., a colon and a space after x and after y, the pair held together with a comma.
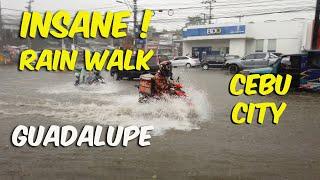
x: 1, y: 28
x: 210, y: 2
x: 135, y: 24
x: 316, y: 27
x: 240, y: 18
x: 29, y: 8
x: 204, y: 18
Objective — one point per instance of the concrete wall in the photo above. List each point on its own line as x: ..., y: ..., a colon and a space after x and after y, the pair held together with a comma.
x: 292, y: 37
x: 251, y: 46
x: 237, y: 47
x: 289, y: 46
x: 307, y: 39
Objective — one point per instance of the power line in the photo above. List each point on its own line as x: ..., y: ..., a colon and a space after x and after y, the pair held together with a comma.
x: 235, y: 16
x: 240, y: 13
x: 228, y: 5
x: 217, y: 5
x: 230, y: 12
x: 10, y: 9
x: 222, y: 9
x: 209, y: 2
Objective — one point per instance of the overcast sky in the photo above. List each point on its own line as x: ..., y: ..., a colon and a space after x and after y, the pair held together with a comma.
x: 192, y: 7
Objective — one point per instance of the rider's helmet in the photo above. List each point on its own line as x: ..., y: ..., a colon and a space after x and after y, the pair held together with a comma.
x: 165, y: 68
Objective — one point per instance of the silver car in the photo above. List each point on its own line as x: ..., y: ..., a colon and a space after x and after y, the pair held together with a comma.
x: 185, y: 61
x: 255, y: 60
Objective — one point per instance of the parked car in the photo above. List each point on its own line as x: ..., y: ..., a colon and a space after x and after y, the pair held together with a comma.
x: 216, y: 61
x: 294, y: 64
x: 185, y: 61
x: 255, y: 60
x: 230, y: 57
x: 119, y: 75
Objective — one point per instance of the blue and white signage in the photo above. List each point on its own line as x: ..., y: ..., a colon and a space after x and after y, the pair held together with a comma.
x: 214, y: 31
x: 226, y: 30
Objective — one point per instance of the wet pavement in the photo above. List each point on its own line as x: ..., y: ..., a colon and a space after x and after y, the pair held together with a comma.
x: 198, y: 142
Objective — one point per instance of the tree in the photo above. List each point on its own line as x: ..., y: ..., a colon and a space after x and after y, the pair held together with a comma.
x: 151, y: 30
x: 194, y: 20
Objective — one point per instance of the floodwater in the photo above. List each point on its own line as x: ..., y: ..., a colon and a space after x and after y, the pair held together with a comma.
x: 189, y: 142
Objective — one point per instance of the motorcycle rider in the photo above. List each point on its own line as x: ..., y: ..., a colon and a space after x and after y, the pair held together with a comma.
x: 77, y: 74
x: 163, y: 78
x: 81, y: 75
x: 85, y: 77
x: 98, y: 77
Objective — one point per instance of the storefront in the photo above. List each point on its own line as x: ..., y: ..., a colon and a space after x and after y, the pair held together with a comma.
x: 287, y: 37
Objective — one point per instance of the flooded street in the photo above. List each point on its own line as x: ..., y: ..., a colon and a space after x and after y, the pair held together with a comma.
x: 188, y: 142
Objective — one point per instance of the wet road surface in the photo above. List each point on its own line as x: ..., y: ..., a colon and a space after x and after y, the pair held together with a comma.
x: 188, y: 143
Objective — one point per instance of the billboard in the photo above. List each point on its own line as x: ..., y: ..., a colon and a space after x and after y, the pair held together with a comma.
x: 224, y: 30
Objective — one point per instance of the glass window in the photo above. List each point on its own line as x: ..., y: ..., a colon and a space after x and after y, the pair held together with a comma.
x: 273, y: 56
x: 251, y: 56
x: 272, y: 45
x: 259, y: 45
x: 260, y: 56
x: 219, y: 58
x: 286, y: 62
x: 210, y: 58
x: 180, y: 58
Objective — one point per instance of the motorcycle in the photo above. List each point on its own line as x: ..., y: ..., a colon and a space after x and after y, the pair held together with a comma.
x: 177, y: 90
x: 96, y: 78
x: 147, y: 89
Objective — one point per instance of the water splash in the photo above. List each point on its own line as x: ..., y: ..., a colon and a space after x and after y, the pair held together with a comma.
x: 116, y: 110
x: 71, y: 89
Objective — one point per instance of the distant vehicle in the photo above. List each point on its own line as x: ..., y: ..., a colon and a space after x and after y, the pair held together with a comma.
x: 162, y: 58
x: 277, y: 54
x: 87, y: 78
x: 286, y: 64
x: 272, y: 69
x: 255, y: 60
x: 230, y: 57
x: 216, y: 61
x: 304, y: 68
x: 130, y: 75
x: 310, y: 71
x: 185, y: 61
x: 4, y: 58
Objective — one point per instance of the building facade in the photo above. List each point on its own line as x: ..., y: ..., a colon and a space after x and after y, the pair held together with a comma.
x: 287, y: 37
x: 165, y: 43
